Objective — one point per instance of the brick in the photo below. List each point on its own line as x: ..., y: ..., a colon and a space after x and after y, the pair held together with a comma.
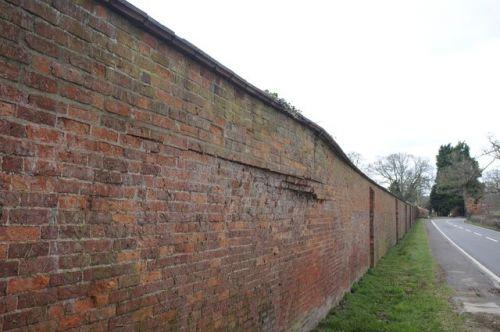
x: 67, y: 73
x: 46, y: 135
x: 72, y: 291
x: 38, y: 200
x: 70, y: 322
x: 49, y: 232
x: 74, y: 231
x: 104, y: 134
x: 48, y: 31
x: 83, y: 305
x: 4, y: 251
x: 46, y: 103
x: 12, y: 129
x: 14, y: 52
x: 83, y: 114
x: 42, y: 10
x: 73, y: 202
x: 114, y: 106
x: 9, y: 70
x: 9, y: 31
x: 42, y: 64
x: 12, y: 164
x: 113, y: 123
x: 37, y: 298
x: 9, y: 268
x: 11, y: 93
x: 71, y: 217
x: 8, y: 304
x: 20, y: 285
x: 75, y: 93
x: 8, y: 198
x: 127, y: 256
x: 77, y: 172
x: 108, y: 177
x: 124, y: 218
x: 7, y: 109
x: 19, y: 233
x: 74, y: 126
x: 102, y: 245
x: 65, y: 278
x: 42, y: 169
x: 74, y: 261
x: 76, y: 28
x: 40, y: 82
x: 36, y: 265
x: 42, y: 46
x: 113, y: 164
x: 105, y: 272
x: 80, y: 62
x: 36, y: 116
x: 23, y: 318
x: 25, y: 250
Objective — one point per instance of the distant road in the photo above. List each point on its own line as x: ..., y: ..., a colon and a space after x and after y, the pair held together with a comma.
x: 481, y: 243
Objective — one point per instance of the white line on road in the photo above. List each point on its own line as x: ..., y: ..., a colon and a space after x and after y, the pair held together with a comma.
x: 489, y: 238
x: 468, y: 230
x: 460, y: 227
x: 477, y: 234
x: 493, y: 276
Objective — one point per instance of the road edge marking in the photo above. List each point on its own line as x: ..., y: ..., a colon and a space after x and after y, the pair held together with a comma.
x: 490, y: 274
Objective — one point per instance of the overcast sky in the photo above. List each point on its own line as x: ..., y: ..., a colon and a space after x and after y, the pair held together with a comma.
x: 379, y: 76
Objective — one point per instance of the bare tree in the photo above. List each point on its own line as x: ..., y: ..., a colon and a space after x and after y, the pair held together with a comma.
x: 494, y: 148
x: 491, y: 180
x: 405, y: 175
x: 357, y: 159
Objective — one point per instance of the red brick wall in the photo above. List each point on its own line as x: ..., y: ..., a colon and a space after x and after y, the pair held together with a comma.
x: 140, y: 189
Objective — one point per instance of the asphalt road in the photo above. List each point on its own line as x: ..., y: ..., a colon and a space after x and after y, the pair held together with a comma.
x: 477, y: 290
x: 481, y: 243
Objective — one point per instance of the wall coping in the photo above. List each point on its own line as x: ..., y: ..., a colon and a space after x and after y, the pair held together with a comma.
x: 149, y: 24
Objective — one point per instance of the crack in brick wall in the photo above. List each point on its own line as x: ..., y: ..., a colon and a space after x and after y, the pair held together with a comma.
x: 140, y: 189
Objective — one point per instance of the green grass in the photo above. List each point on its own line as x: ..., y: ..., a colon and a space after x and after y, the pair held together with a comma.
x: 402, y: 293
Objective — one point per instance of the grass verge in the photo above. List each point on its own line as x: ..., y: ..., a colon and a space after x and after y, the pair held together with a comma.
x: 402, y: 293
x: 475, y: 223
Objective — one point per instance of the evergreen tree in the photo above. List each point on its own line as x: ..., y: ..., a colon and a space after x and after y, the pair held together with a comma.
x: 457, y: 177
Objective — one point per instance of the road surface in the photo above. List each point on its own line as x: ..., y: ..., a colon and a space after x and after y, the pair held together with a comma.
x: 470, y: 258
x: 481, y: 243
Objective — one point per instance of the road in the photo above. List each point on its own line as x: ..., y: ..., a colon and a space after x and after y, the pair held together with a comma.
x: 471, y: 265
x: 481, y: 243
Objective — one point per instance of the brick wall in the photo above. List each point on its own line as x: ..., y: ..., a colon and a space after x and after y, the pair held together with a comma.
x: 140, y: 188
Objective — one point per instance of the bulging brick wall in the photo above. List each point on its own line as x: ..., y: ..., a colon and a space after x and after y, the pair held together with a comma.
x: 141, y: 188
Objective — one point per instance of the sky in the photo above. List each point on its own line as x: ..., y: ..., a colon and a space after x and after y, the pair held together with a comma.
x: 380, y: 76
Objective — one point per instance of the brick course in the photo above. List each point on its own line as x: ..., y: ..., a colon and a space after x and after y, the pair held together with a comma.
x: 142, y: 189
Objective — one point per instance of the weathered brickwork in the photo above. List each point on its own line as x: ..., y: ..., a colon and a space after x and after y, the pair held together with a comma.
x: 141, y: 189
